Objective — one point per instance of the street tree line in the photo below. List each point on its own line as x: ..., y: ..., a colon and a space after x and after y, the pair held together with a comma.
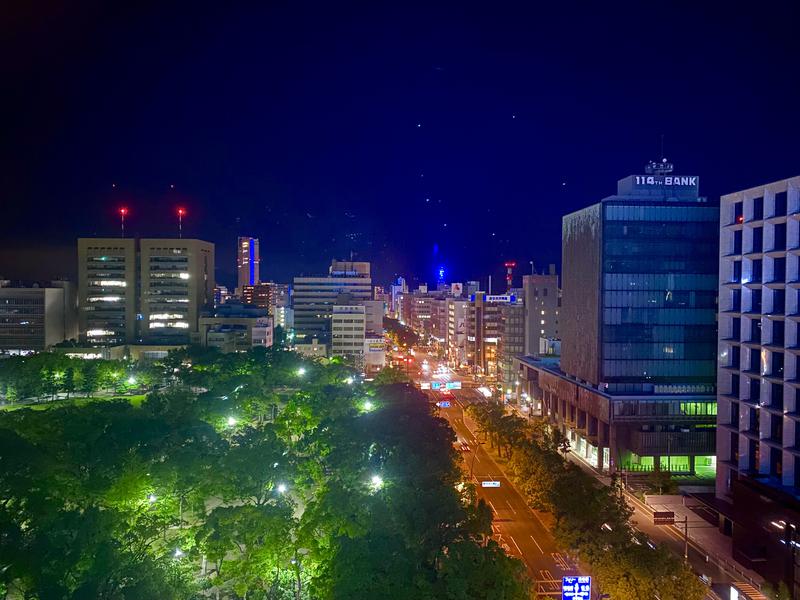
x: 251, y: 476
x: 43, y: 376
x: 591, y: 519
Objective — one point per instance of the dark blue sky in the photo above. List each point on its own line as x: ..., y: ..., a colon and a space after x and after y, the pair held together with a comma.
x: 330, y: 128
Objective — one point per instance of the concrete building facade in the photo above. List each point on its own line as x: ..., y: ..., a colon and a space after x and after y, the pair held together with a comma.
x: 34, y: 319
x: 542, y: 304
x: 107, y: 291
x: 758, y: 429
x: 176, y: 283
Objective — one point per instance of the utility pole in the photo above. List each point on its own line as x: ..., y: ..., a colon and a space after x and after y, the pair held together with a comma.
x: 686, y: 538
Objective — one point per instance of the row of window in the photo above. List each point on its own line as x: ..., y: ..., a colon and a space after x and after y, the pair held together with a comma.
x: 660, y: 281
x: 676, y: 213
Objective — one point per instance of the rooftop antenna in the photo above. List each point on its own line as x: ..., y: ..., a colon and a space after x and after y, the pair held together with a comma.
x: 181, y: 212
x: 662, y: 147
x: 122, y: 212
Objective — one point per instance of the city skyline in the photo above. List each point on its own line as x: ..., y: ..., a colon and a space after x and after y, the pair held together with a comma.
x: 478, y: 118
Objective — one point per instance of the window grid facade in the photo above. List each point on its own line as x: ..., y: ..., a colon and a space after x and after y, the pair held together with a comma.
x: 759, y: 282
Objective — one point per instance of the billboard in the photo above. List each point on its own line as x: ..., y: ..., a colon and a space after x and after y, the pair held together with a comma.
x: 457, y: 289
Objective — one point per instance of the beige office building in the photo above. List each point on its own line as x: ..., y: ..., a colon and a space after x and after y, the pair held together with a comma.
x: 176, y: 282
x: 107, y: 290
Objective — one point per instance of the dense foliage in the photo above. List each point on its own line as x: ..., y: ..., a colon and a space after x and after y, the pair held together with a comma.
x: 590, y: 518
x: 259, y: 476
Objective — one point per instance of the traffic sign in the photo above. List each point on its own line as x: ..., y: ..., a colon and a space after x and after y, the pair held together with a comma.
x: 436, y: 385
x: 425, y: 385
x: 453, y: 385
x: 664, y: 518
x: 576, y: 587
x: 490, y: 484
x: 443, y: 404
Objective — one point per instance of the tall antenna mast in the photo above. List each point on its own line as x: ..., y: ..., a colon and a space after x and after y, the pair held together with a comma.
x: 122, y: 212
x: 181, y: 212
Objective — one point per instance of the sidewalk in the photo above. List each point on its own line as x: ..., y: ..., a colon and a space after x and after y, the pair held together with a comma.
x: 704, y: 538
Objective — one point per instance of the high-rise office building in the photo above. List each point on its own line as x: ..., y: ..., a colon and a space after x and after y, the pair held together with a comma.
x: 34, y: 319
x: 542, y: 302
x: 636, y: 384
x: 248, y: 262
x: 314, y: 297
x: 176, y: 282
x: 758, y: 436
x: 107, y: 290
x: 511, y: 343
x: 484, y: 328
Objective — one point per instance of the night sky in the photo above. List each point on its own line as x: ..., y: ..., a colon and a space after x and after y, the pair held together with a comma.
x: 411, y: 135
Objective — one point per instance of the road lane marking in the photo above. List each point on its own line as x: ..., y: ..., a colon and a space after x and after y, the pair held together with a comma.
x: 517, y: 545
x: 537, y: 544
x: 511, y: 507
x: 494, y: 510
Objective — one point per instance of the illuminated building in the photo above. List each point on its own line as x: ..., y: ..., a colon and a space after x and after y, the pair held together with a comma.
x: 542, y: 303
x: 313, y: 298
x: 259, y: 294
x: 348, y: 332
x: 248, y: 262
x: 221, y: 295
x: 107, y: 292
x: 758, y: 442
x: 456, y: 340
x: 635, y: 386
x: 235, y: 327
x: 34, y: 319
x: 512, y: 341
x: 176, y: 282
x: 484, y: 317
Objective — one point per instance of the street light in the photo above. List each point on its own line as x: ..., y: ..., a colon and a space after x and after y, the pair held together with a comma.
x: 231, y: 421
x: 301, y: 371
x: 131, y: 380
x: 151, y: 498
x: 349, y: 381
x: 377, y: 482
x: 281, y: 488
x: 368, y: 405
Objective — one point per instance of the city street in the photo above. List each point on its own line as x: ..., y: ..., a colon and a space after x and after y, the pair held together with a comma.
x: 517, y: 528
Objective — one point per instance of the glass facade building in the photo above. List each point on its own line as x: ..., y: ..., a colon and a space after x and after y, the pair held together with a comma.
x: 636, y: 383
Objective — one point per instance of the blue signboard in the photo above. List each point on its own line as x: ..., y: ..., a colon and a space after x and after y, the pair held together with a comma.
x: 436, y: 385
x: 576, y: 587
x: 453, y: 385
x: 444, y: 404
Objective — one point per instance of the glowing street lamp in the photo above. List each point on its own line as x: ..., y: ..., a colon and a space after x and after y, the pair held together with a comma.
x: 301, y: 371
x: 131, y: 380
x: 151, y: 498
x: 281, y: 488
x: 349, y: 381
x: 368, y: 405
x: 232, y: 421
x: 377, y: 482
